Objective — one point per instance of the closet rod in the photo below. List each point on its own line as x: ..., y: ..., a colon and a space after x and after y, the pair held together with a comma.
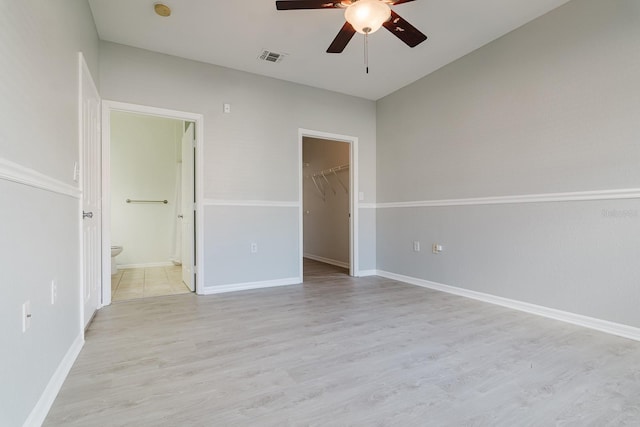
x: 334, y: 169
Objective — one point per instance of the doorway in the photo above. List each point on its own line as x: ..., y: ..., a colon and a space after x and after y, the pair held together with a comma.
x: 151, y: 175
x: 150, y: 201
x: 329, y: 204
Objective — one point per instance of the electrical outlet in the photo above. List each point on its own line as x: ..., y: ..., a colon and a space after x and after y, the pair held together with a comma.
x: 26, y: 316
x: 226, y: 108
x: 436, y: 248
x: 254, y: 248
x: 54, y: 292
x: 416, y: 246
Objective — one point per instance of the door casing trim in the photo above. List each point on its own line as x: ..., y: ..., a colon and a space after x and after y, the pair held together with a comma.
x: 354, y: 265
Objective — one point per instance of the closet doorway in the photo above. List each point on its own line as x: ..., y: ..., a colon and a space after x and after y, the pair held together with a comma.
x: 328, y: 206
x: 150, y: 197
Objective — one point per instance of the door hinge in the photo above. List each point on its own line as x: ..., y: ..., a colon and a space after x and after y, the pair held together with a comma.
x: 193, y: 142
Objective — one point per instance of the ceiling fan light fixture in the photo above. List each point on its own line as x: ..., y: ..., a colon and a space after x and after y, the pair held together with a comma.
x: 367, y: 16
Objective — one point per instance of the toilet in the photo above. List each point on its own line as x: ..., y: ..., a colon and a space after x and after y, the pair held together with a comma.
x: 115, y: 251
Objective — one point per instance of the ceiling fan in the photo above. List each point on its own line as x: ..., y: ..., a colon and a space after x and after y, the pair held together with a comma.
x: 362, y: 16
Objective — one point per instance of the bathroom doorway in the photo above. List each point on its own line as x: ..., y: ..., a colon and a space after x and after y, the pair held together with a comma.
x: 149, y: 161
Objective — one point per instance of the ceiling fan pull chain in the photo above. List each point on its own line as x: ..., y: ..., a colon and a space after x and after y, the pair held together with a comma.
x: 366, y: 52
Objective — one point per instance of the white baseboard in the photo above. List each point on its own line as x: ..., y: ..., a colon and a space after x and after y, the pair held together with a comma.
x: 209, y: 290
x: 327, y: 260
x: 146, y: 265
x: 552, y: 313
x: 40, y: 411
x: 365, y: 273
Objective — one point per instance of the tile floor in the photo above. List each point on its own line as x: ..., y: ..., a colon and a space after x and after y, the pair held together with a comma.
x: 132, y: 283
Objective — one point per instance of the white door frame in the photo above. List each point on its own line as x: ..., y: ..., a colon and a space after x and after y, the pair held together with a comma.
x: 107, y: 108
x: 354, y: 267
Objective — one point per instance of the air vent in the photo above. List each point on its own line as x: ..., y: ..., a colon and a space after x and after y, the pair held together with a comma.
x: 270, y: 56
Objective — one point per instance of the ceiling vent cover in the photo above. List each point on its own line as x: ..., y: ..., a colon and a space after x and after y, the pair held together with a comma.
x: 270, y: 56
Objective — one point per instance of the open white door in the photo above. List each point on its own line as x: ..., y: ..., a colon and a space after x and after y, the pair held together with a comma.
x: 188, y: 205
x: 91, y: 185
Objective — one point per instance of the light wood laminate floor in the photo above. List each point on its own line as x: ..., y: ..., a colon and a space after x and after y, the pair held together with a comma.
x: 344, y: 352
x: 320, y: 272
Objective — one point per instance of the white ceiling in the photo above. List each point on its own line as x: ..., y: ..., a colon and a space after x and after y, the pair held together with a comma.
x: 233, y: 33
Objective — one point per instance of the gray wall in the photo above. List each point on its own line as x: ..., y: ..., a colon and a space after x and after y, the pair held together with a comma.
x: 236, y: 228
x: 326, y: 218
x: 551, y: 107
x: 39, y: 231
x: 250, y: 154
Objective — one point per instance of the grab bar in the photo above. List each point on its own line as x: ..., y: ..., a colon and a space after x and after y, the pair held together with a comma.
x: 147, y: 201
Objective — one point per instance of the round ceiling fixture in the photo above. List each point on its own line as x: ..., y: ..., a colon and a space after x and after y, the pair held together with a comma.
x: 367, y: 16
x: 162, y: 9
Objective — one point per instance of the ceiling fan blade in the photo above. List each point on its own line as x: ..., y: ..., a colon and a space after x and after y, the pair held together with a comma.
x: 342, y: 39
x: 400, y: 1
x: 307, y: 4
x: 404, y: 31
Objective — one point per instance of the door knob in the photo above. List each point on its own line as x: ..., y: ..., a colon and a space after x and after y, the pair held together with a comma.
x: 87, y: 214
x: 180, y: 216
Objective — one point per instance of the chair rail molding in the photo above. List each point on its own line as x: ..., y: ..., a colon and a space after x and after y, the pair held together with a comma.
x: 576, y: 196
x: 251, y: 203
x: 14, y: 172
